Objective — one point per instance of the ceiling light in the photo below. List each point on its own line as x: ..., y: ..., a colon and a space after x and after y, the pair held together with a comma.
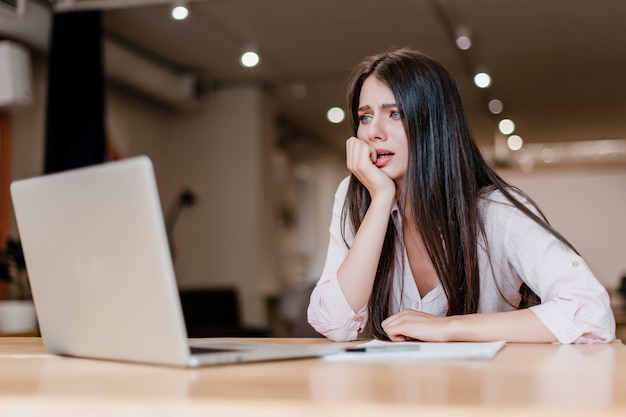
x: 495, y: 106
x: 515, y: 142
x: 180, y: 10
x: 249, y: 59
x: 335, y: 115
x: 464, y: 42
x: 506, y: 126
x: 482, y: 80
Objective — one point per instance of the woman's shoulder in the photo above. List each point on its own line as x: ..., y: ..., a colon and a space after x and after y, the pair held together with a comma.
x: 494, y: 198
x: 498, y: 209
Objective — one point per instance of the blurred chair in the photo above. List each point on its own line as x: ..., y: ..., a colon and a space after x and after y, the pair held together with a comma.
x: 214, y: 312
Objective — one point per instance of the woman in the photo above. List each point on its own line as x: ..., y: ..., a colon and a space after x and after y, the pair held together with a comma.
x: 428, y: 242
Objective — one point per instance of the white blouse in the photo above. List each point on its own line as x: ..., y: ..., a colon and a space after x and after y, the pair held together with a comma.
x: 575, y: 306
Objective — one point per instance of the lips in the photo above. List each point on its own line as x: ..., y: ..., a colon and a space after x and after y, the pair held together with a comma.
x: 383, y: 156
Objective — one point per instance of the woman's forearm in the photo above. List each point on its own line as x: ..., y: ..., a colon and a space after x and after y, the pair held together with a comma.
x: 356, y: 273
x: 512, y: 326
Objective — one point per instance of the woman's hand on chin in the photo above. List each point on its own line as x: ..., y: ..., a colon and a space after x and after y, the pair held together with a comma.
x: 360, y: 160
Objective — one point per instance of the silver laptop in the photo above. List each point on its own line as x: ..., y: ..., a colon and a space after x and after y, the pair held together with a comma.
x: 101, y: 274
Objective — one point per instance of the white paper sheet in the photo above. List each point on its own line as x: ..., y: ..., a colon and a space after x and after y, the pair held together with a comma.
x: 385, y: 351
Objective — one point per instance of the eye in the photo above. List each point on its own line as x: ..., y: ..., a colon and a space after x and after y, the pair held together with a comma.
x: 396, y: 114
x: 364, y: 118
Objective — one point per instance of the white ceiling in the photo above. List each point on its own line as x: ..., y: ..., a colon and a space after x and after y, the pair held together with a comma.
x: 559, y: 66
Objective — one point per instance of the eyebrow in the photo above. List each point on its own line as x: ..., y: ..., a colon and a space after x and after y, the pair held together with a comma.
x: 384, y: 106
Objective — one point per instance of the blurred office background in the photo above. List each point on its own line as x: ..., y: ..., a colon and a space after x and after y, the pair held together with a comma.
x: 247, y: 159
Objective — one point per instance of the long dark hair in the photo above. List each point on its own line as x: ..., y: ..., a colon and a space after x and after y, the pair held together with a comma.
x: 446, y: 176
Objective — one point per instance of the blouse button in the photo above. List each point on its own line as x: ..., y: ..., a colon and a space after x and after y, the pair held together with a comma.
x: 575, y: 264
x: 359, y: 319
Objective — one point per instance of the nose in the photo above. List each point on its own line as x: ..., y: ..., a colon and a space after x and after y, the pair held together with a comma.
x: 376, y: 130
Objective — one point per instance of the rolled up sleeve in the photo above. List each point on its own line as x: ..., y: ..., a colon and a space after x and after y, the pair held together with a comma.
x: 330, y: 314
x: 575, y: 305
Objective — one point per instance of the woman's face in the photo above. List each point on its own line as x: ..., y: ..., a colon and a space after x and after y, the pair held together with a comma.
x: 381, y: 125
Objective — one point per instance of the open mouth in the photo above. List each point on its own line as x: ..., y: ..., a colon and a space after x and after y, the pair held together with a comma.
x: 383, y: 156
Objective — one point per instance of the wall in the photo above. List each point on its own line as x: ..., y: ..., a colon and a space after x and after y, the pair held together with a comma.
x: 222, y: 153
x: 318, y: 172
x: 135, y: 126
x: 219, y: 151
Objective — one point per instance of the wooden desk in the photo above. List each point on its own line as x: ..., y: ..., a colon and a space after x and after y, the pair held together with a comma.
x: 523, y: 380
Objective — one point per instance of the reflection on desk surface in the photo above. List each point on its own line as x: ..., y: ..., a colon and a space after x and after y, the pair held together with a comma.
x: 521, y: 379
